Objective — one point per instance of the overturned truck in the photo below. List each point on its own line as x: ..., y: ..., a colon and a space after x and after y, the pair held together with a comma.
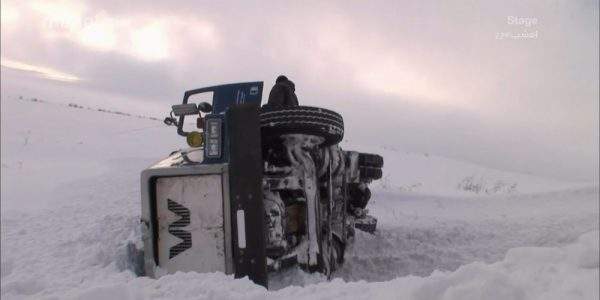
x: 260, y: 189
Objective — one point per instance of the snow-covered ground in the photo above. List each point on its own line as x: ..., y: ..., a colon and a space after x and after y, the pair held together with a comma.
x: 447, y: 229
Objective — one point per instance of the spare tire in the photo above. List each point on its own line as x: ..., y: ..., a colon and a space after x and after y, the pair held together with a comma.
x: 275, y: 121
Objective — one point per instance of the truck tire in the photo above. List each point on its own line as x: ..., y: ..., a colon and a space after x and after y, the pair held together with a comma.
x: 370, y: 160
x: 368, y: 174
x: 359, y: 197
x: 275, y: 121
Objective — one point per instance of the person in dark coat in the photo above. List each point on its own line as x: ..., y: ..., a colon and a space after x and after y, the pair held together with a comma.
x: 283, y: 93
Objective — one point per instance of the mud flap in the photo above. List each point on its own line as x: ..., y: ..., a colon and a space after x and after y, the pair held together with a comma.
x: 245, y: 181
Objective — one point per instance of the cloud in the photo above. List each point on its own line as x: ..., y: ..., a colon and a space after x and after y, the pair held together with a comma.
x: 39, y: 70
x: 429, y: 76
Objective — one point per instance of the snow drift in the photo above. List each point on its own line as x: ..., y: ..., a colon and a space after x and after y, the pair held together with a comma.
x: 70, y: 202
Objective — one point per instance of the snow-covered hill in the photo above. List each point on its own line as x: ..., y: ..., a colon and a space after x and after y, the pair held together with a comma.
x: 419, y: 173
x: 447, y: 229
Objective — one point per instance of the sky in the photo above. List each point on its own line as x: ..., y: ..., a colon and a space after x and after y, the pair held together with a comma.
x: 507, y: 84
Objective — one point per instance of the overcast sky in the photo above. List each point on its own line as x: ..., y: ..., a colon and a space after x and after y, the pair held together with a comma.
x: 510, y: 84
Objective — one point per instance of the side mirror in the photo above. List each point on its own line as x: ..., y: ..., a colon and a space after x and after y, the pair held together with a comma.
x: 170, y: 121
x: 205, y: 107
x: 185, y: 109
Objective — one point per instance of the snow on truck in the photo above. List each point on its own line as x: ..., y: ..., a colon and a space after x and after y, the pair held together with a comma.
x: 260, y: 189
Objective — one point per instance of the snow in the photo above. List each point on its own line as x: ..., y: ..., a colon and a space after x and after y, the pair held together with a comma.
x: 70, y: 202
x: 433, y: 175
